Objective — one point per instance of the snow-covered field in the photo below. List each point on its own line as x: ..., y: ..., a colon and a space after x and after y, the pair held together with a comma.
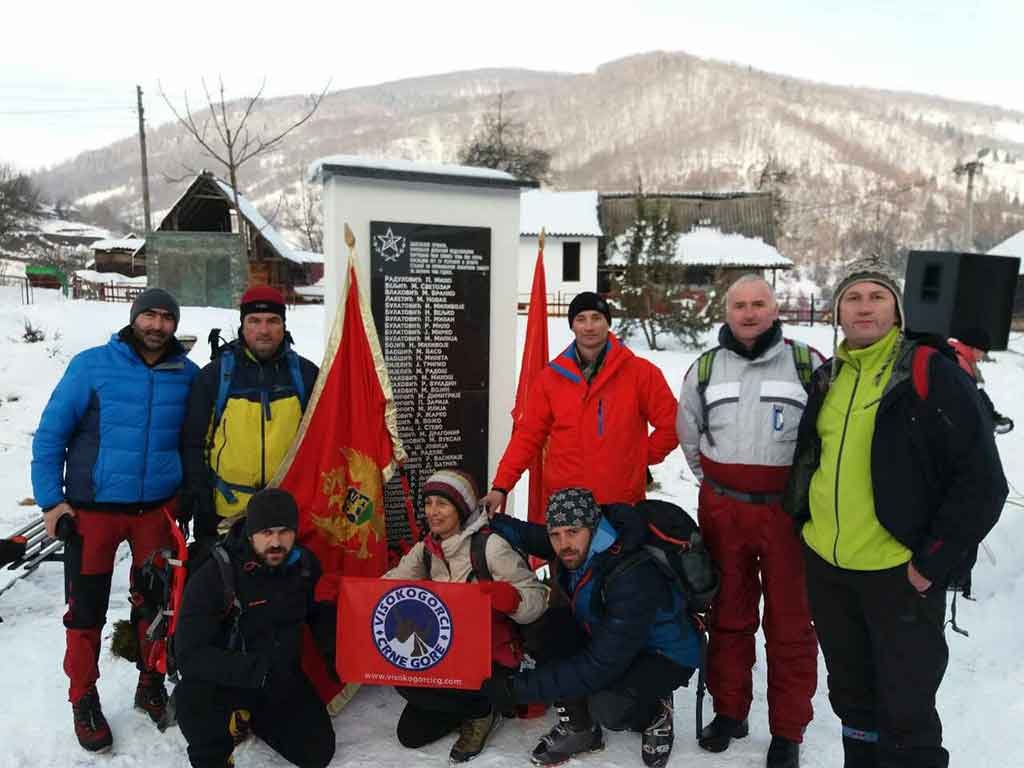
x: 981, y: 699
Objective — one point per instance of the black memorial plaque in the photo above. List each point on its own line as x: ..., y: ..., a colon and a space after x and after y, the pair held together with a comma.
x: 431, y: 297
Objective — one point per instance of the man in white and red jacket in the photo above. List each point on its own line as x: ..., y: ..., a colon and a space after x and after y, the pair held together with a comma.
x: 739, y: 410
x: 592, y: 406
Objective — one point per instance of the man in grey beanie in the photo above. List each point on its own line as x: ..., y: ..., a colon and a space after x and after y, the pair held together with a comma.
x: 107, y: 456
x: 896, y: 480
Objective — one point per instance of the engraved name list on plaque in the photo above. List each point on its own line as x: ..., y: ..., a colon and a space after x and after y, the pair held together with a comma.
x: 430, y: 292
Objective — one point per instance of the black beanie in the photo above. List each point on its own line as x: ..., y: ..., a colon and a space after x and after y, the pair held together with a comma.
x: 271, y: 508
x: 586, y: 301
x: 155, y: 298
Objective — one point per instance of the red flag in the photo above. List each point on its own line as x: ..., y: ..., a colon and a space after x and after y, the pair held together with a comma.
x: 535, y: 358
x: 346, y: 449
x: 420, y: 633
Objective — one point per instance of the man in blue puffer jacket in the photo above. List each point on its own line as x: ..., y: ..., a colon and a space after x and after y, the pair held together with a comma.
x: 107, y: 455
x: 624, y: 644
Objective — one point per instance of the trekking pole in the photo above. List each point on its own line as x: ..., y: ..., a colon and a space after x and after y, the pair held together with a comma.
x: 29, y: 528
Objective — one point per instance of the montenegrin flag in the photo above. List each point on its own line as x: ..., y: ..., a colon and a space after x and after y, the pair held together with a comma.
x: 535, y: 359
x: 424, y: 634
x: 346, y: 449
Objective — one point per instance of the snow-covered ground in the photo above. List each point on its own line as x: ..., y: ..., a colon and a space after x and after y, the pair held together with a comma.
x: 980, y: 700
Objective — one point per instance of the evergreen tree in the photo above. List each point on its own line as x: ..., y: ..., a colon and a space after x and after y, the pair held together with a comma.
x: 652, y: 292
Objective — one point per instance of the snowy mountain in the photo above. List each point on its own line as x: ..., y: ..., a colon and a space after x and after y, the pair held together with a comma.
x: 861, y: 163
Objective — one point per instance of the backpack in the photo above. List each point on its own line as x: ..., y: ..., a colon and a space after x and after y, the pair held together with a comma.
x: 674, y: 544
x: 226, y: 353
x: 801, y: 359
x: 478, y: 568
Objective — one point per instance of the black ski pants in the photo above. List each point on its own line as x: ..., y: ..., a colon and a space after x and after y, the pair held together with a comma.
x: 432, y: 713
x: 631, y: 701
x: 289, y: 718
x: 886, y: 653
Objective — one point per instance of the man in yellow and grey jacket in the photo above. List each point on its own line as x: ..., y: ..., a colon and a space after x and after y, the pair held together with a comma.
x: 243, y: 414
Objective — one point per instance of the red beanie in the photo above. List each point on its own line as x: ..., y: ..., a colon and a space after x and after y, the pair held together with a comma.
x: 262, y: 298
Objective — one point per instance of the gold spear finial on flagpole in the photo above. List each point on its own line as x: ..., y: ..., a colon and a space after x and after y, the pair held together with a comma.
x: 350, y: 239
x: 542, y: 238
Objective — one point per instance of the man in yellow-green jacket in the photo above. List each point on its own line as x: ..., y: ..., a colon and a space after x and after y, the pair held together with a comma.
x: 896, y: 480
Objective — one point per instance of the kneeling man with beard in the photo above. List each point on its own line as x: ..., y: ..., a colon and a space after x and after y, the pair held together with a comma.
x: 245, y: 655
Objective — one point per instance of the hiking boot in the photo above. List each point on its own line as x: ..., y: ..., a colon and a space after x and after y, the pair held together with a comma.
x: 783, y: 753
x: 719, y: 732
x: 473, y: 735
x: 239, y: 726
x: 574, y: 734
x: 90, y: 725
x: 151, y: 696
x: 656, y: 740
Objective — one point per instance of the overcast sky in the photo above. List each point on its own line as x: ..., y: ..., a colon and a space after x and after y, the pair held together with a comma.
x: 68, y: 72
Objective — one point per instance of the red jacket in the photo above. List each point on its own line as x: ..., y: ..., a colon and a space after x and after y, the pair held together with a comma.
x: 597, y: 435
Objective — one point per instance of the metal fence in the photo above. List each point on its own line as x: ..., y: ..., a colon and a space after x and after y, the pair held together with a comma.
x: 83, y: 289
x: 23, y: 283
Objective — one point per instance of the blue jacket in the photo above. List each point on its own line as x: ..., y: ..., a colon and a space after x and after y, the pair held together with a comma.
x: 111, y: 432
x: 636, y: 612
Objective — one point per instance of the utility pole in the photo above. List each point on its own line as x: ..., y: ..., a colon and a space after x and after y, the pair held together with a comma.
x: 969, y: 169
x: 145, y: 166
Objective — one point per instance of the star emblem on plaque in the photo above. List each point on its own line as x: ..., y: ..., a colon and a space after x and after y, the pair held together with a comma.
x: 389, y: 246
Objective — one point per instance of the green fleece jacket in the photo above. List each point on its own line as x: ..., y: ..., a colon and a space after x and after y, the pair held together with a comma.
x: 843, y: 528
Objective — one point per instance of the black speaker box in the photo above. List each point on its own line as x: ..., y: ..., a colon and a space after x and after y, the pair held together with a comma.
x: 950, y: 293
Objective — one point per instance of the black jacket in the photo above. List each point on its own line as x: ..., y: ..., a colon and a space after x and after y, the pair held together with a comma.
x: 937, y: 480
x: 260, y: 644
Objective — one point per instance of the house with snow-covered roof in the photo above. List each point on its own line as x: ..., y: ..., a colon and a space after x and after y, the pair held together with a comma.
x: 707, y: 254
x: 571, y: 233
x: 207, y: 206
x: 1014, y: 246
x: 123, y: 255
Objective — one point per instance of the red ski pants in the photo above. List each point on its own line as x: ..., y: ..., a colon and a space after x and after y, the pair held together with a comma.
x: 759, y: 554
x: 88, y: 567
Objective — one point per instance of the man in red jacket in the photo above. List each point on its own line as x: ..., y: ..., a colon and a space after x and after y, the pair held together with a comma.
x: 592, y: 406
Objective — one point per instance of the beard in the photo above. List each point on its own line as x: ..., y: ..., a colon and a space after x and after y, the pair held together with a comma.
x: 151, y: 340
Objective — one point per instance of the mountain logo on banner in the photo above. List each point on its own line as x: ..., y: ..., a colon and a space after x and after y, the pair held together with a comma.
x: 412, y: 628
x: 389, y: 246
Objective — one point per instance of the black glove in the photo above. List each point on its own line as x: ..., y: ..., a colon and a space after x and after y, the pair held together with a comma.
x: 498, y: 688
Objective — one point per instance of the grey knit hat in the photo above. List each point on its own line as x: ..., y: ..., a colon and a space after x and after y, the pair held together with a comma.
x: 155, y: 298
x: 574, y: 507
x: 875, y: 270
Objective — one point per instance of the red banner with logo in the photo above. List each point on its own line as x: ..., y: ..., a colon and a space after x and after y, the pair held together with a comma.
x: 423, y: 634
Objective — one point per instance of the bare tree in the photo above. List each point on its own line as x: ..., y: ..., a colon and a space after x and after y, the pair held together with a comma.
x: 303, y: 214
x: 502, y: 144
x: 19, y: 199
x: 232, y: 145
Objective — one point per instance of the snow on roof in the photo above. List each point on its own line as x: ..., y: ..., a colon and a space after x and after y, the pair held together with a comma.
x: 560, y: 213
x: 129, y: 243
x: 65, y: 228
x: 306, y: 257
x: 108, y: 278
x: 1012, y: 246
x: 407, y: 166
x: 710, y: 247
